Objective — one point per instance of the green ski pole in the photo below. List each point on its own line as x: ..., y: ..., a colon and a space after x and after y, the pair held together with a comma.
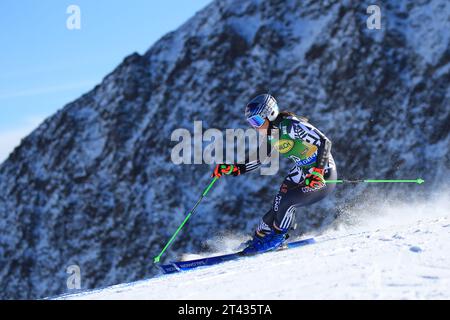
x: 418, y: 181
x: 158, y: 257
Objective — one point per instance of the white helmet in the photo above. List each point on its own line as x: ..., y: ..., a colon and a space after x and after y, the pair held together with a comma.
x: 261, y: 108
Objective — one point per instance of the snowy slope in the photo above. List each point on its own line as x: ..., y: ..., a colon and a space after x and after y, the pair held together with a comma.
x: 400, y: 254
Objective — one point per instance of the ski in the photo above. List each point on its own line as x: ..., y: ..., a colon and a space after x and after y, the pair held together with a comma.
x: 178, y: 266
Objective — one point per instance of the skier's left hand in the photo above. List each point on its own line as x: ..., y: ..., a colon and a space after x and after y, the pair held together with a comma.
x: 227, y: 169
x: 315, y: 179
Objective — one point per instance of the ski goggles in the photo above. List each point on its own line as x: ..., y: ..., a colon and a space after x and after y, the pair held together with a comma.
x: 256, y: 121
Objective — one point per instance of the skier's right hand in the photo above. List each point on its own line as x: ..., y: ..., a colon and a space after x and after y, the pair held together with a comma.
x: 227, y: 169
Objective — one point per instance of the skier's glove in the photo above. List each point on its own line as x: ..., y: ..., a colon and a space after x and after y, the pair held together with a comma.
x: 315, y: 179
x: 227, y: 169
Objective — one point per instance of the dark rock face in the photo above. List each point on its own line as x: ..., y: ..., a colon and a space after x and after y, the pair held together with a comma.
x: 94, y: 184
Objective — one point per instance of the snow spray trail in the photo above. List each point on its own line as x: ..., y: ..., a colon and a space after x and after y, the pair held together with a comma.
x: 221, y: 244
x: 373, y: 214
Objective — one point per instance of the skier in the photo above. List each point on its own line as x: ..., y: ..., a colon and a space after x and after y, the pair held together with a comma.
x: 305, y: 184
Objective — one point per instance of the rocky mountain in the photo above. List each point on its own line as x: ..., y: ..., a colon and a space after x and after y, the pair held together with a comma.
x: 94, y: 184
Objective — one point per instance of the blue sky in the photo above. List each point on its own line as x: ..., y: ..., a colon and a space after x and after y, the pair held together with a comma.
x: 44, y: 65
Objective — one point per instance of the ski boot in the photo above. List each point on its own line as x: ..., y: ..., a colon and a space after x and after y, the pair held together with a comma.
x: 268, y: 242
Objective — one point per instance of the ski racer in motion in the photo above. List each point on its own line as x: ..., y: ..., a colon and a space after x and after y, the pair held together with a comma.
x: 305, y: 184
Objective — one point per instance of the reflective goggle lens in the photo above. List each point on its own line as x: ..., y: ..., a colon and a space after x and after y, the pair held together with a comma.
x: 256, y: 121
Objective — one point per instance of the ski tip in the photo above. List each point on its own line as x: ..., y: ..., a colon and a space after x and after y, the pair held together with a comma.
x: 157, y: 259
x: 168, y: 268
x: 420, y: 181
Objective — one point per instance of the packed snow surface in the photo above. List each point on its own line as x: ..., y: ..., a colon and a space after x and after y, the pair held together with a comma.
x: 391, y: 251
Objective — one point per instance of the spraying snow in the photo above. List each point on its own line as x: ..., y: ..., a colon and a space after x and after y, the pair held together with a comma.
x: 373, y: 214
